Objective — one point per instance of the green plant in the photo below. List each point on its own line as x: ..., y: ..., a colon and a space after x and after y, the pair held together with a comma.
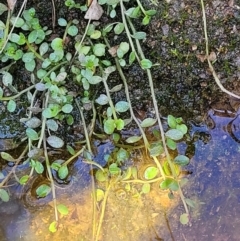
x: 54, y: 69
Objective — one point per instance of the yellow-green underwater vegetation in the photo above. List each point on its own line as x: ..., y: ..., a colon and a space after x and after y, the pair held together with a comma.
x: 119, y: 120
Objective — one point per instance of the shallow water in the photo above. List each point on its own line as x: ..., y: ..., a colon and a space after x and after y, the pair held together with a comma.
x: 214, y: 186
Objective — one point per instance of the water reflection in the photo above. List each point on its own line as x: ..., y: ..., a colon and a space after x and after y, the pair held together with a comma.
x: 215, y: 182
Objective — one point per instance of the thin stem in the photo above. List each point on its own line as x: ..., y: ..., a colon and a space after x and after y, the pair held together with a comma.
x: 127, y: 31
x: 34, y: 51
x: 19, y: 159
x: 141, y: 6
x: 109, y: 98
x: 207, y: 53
x: 104, y: 202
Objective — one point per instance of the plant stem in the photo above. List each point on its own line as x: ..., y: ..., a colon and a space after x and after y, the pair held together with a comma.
x: 141, y: 6
x: 127, y: 31
x: 207, y: 53
x: 31, y: 48
x: 109, y: 97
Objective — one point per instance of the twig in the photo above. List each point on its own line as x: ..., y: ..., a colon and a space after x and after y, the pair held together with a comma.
x: 207, y: 53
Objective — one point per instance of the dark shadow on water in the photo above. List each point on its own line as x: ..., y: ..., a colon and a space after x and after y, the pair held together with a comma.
x: 215, y: 182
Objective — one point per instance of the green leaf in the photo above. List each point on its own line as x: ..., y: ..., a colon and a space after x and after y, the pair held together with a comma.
x: 99, y: 49
x: 72, y: 30
x: 3, y: 8
x: 169, y: 183
x: 148, y: 122
x: 96, y: 34
x: 171, y: 144
x: 67, y: 108
x: 99, y: 195
x: 156, y: 149
x: 116, y: 88
x: 118, y: 28
x: 114, y: 169
x: 43, y: 48
x: 11, y: 106
x: 174, y: 134
x: 150, y: 173
x: 52, y: 125
x: 151, y: 12
x: 19, y: 23
x: 34, y: 122
x: 62, y: 209
x: 146, y: 20
x: 39, y: 167
x: 43, y: 190
x: 190, y: 203
x: 28, y: 57
x: 122, y: 155
x: 101, y: 176
x: 184, y: 218
x: 133, y: 139
x: 55, y: 141
x: 7, y: 156
x: 119, y: 124
x: 30, y: 66
x: 146, y: 188
x: 124, y: 46
x: 121, y: 106
x: 95, y: 80
x: 183, y: 128
x: 32, y: 36
x: 4, y: 195
x: 181, y: 160
x: 57, y: 44
x: 102, y: 99
x: 71, y: 150
x: 139, y: 35
x: 63, y: 172
x: 23, y: 180
x: 32, y: 134
x: 109, y: 126
x: 62, y: 22
x: 146, y: 64
x: 132, y: 57
x: 53, y: 227
x: 112, y: 2
x: 7, y: 79
x: 171, y: 121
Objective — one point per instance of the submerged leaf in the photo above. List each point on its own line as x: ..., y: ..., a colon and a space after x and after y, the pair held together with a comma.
x: 43, y: 190
x: 62, y: 209
x: 184, y: 218
x: 150, y: 173
x: 4, y: 195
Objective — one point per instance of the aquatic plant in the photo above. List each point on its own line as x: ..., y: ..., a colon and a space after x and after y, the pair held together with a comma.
x: 56, y: 72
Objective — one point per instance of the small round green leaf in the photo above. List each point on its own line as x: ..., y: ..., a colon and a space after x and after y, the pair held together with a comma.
x: 4, y: 195
x: 53, y: 227
x: 122, y: 106
x: 55, y: 141
x: 67, y: 108
x: 62, y: 209
x: 99, y: 195
x: 171, y: 121
x: 146, y: 64
x: 62, y: 22
x: 148, y: 122
x: 109, y: 126
x: 181, y: 160
x: 32, y: 134
x: 184, y: 218
x: 63, y: 172
x: 150, y: 173
x: 72, y: 30
x: 174, y: 134
x: 146, y: 188
x: 43, y: 190
x: 11, y: 106
x: 7, y: 156
x: 133, y: 139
